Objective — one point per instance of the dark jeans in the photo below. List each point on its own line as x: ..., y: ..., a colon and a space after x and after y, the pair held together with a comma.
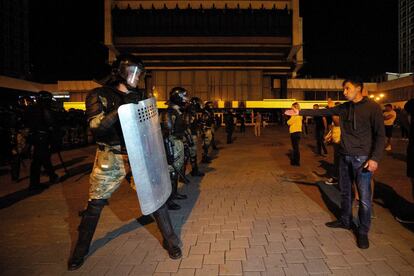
x: 242, y: 128
x: 229, y: 131
x: 295, y: 139
x: 351, y: 169
x: 41, y: 157
x: 320, y: 145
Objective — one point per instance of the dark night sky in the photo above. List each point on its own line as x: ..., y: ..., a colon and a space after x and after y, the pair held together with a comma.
x: 352, y: 37
x: 341, y: 37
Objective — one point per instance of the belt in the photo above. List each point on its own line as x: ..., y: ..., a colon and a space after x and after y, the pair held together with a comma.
x: 108, y: 148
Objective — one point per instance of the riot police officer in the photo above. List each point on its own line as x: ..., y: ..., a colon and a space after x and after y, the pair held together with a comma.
x: 193, y: 124
x: 18, y: 135
x: 109, y: 168
x: 207, y: 118
x: 173, y: 127
x: 42, y: 124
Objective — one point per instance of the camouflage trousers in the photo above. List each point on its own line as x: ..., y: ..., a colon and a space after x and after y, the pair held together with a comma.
x: 207, y: 137
x: 109, y: 170
x: 178, y: 154
x: 192, y: 149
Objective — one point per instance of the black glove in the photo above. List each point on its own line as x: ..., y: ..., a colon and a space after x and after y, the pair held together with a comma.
x: 132, y: 97
x: 109, y: 119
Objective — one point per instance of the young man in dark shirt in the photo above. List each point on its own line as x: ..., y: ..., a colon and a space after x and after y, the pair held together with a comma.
x: 362, y: 144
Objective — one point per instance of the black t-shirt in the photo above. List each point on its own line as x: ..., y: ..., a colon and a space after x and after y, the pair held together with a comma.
x: 362, y: 127
x: 319, y: 122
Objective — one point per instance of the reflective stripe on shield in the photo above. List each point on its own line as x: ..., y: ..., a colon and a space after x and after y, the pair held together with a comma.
x: 142, y: 132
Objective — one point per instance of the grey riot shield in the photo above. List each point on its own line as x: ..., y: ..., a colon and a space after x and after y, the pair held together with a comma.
x: 146, y: 153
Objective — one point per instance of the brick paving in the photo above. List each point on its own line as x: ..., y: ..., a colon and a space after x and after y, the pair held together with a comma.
x: 252, y: 214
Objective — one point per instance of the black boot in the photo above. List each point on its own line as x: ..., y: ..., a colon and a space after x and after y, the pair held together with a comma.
x: 205, y: 158
x: 182, y: 177
x: 174, y: 192
x: 170, y: 240
x: 86, y: 229
x: 194, y: 165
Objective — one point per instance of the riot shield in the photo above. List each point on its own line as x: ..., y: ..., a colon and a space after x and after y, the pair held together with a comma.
x: 142, y: 132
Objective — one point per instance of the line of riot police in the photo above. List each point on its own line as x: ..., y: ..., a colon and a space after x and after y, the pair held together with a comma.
x: 32, y: 127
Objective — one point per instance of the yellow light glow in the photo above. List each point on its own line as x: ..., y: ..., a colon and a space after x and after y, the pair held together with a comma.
x: 382, y: 95
x: 284, y: 103
x: 377, y: 98
x: 235, y: 104
x: 75, y: 105
x: 220, y: 104
x: 371, y: 96
x: 161, y: 104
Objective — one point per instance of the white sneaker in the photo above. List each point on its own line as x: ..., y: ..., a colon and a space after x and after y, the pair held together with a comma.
x: 388, y: 148
x: 331, y: 181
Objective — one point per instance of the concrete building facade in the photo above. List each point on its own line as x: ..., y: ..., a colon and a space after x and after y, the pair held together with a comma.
x: 406, y: 35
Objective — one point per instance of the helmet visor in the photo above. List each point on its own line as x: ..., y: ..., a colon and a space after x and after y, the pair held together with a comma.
x: 134, y: 74
x: 184, y: 97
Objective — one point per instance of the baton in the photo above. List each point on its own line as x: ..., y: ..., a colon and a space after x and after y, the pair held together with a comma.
x: 186, y: 181
x: 61, y: 161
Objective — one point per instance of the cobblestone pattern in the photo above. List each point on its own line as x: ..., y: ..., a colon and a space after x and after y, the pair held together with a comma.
x: 245, y: 217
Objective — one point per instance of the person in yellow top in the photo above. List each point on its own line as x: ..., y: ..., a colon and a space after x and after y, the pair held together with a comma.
x: 389, y: 118
x: 295, y: 129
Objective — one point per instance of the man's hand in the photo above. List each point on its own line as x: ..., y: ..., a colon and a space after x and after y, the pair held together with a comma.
x: 292, y: 112
x: 371, y: 165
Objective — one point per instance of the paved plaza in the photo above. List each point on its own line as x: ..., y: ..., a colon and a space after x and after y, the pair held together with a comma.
x: 252, y: 214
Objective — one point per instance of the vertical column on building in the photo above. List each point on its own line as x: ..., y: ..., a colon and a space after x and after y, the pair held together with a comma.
x: 297, y: 37
x: 108, y: 31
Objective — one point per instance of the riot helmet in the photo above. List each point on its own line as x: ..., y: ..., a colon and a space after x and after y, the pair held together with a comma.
x: 45, y: 98
x: 196, y: 104
x: 127, y: 69
x: 178, y: 96
x: 208, y: 105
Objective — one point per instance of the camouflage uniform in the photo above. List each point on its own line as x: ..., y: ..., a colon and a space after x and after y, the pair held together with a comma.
x: 173, y: 128
x: 109, y: 170
x: 208, y: 133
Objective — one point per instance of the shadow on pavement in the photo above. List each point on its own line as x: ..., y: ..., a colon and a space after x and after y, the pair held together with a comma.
x: 82, y: 170
x: 330, y: 195
x: 384, y: 195
x: 131, y: 226
x: 400, y: 208
x: 10, y: 199
x: 69, y: 163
